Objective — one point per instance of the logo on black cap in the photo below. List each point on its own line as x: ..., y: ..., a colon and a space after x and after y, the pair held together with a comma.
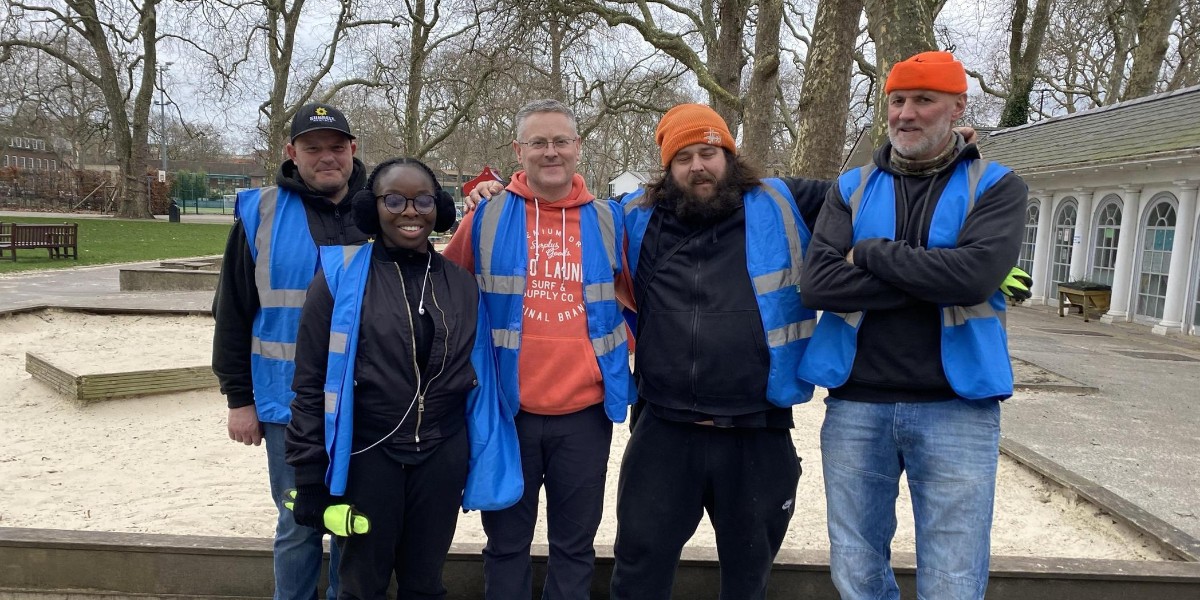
x: 312, y: 117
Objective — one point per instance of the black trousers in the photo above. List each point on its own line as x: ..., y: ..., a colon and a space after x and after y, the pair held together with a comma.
x: 745, y: 478
x: 569, y: 455
x: 413, y: 512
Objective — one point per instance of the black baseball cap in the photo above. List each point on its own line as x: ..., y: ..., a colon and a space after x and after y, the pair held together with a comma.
x: 314, y: 116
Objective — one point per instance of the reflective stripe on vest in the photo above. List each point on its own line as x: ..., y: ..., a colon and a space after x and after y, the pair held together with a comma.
x: 501, y: 265
x: 774, y: 263
x: 971, y: 335
x: 346, y: 269
x: 284, y: 265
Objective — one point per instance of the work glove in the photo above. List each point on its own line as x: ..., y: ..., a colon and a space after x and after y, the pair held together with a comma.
x: 1016, y: 285
x: 312, y: 506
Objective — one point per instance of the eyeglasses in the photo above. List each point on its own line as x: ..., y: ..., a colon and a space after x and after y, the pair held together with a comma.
x: 559, y: 143
x: 397, y: 203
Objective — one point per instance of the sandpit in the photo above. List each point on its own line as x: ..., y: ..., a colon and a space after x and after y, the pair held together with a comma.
x: 164, y: 464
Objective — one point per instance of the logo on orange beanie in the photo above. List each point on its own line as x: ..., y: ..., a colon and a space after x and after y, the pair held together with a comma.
x: 937, y: 71
x: 688, y: 124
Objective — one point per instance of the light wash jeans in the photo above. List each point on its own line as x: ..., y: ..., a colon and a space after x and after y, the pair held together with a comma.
x: 297, y: 548
x: 949, y: 451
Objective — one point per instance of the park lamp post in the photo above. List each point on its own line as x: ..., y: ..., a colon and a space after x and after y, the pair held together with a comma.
x: 162, y: 118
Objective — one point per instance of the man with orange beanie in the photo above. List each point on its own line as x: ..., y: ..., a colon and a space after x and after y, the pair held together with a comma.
x: 546, y: 255
x: 905, y: 261
x: 714, y: 254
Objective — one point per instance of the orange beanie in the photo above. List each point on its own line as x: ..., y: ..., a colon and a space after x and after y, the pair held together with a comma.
x: 937, y: 71
x: 688, y: 124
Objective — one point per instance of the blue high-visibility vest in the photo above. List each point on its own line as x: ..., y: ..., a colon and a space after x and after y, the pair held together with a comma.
x: 776, y: 240
x: 494, y: 479
x: 502, y: 264
x: 285, y: 261
x: 974, y: 343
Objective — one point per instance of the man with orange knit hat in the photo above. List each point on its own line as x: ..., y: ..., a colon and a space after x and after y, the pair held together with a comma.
x: 905, y: 262
x: 714, y: 254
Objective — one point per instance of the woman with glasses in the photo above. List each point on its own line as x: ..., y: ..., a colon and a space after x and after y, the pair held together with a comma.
x: 394, y: 399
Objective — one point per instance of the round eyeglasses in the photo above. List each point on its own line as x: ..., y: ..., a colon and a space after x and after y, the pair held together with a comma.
x: 397, y: 203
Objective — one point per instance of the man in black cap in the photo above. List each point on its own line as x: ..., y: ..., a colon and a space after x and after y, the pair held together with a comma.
x: 270, y: 259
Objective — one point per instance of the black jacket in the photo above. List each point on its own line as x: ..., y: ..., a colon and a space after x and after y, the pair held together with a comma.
x: 236, y: 300
x: 900, y: 283
x: 701, y: 349
x: 388, y: 383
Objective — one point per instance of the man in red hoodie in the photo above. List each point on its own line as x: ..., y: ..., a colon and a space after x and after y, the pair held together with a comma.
x: 546, y: 255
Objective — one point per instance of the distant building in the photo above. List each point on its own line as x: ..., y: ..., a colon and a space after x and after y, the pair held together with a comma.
x: 28, y: 153
x: 627, y: 181
x: 1112, y: 198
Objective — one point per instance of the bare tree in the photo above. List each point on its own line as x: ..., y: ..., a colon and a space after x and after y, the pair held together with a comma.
x: 122, y: 39
x: 825, y: 98
x: 1153, y: 30
x: 1024, y: 51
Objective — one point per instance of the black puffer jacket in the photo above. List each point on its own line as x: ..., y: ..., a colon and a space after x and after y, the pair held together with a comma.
x: 411, y: 380
x: 235, y: 303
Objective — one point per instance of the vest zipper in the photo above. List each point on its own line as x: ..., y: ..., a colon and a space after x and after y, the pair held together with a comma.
x: 695, y: 320
x: 442, y: 369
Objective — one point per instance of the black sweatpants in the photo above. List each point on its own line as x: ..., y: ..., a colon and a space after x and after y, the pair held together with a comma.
x: 413, y: 512
x: 569, y: 455
x: 745, y: 478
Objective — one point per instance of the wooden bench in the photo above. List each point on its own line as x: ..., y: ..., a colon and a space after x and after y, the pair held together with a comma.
x: 62, y: 241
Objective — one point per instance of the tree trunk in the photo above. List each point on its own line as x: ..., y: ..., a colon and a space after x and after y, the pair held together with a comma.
x: 759, y: 106
x: 281, y: 41
x: 1153, y: 32
x: 825, y: 98
x: 1023, y: 55
x: 726, y: 60
x: 900, y: 30
x: 417, y: 55
x: 129, y: 131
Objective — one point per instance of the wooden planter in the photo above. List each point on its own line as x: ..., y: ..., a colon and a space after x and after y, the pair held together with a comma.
x: 1088, y: 301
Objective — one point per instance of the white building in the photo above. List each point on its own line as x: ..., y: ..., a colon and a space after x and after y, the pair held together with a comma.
x: 626, y: 182
x: 1112, y: 198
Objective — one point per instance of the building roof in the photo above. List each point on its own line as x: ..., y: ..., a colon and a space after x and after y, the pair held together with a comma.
x: 641, y: 176
x: 1164, y: 124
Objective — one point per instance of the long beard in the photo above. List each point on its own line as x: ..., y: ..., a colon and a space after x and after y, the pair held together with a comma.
x: 698, y: 211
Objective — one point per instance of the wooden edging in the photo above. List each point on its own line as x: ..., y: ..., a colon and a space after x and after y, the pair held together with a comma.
x: 45, y: 563
x: 1184, y: 546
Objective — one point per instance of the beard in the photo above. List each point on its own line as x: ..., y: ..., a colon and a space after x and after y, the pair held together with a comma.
x: 699, y: 211
x: 928, y: 145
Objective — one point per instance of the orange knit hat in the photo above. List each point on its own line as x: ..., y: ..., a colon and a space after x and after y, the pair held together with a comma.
x: 688, y: 124
x: 937, y: 71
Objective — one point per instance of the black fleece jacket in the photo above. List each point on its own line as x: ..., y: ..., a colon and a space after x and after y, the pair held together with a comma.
x: 236, y: 300
x: 702, y: 353
x: 900, y: 283
x: 412, y: 372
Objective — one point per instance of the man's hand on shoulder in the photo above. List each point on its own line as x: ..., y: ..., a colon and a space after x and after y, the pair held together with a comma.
x: 483, y: 191
x: 968, y: 134
x: 244, y: 426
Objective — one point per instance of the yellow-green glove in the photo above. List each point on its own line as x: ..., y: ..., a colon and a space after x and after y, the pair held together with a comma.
x: 313, y: 507
x: 1016, y: 285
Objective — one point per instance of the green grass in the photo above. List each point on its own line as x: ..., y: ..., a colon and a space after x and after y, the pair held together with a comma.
x: 107, y: 241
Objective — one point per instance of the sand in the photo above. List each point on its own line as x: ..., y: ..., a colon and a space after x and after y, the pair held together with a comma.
x: 164, y: 464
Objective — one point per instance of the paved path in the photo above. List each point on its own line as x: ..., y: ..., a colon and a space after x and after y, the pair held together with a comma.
x: 1139, y: 436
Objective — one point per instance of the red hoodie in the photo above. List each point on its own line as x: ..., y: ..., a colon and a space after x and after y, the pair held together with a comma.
x: 558, y: 370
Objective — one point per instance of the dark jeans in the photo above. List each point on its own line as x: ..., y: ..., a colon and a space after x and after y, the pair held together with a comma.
x: 569, y: 455
x: 413, y: 512
x: 745, y: 478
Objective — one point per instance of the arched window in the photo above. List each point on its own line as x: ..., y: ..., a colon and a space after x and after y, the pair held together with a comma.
x: 1064, y: 237
x: 1025, y: 260
x: 1158, y: 237
x: 1108, y: 232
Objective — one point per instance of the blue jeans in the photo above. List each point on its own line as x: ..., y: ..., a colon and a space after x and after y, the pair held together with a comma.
x: 298, y: 549
x: 949, y: 451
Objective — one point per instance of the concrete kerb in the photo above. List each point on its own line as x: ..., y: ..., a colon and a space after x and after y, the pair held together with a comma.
x: 1184, y: 546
